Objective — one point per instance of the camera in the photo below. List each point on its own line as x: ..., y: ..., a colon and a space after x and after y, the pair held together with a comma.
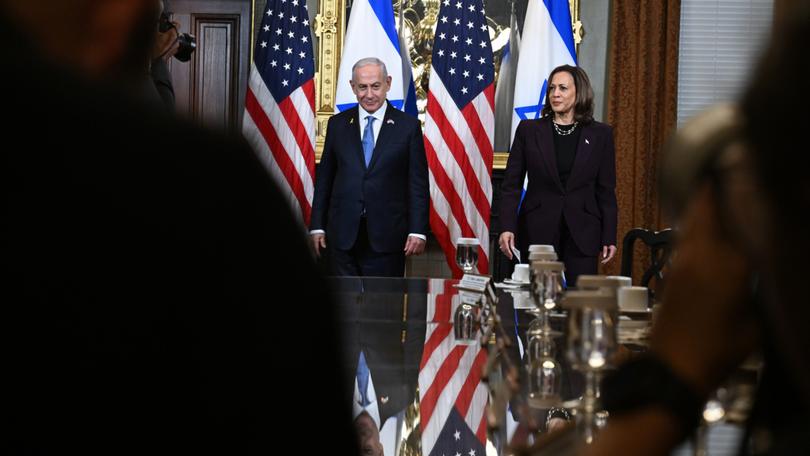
x: 187, y: 42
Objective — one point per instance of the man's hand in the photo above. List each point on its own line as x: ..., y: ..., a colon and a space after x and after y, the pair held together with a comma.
x: 166, y: 44
x: 318, y: 242
x: 414, y: 246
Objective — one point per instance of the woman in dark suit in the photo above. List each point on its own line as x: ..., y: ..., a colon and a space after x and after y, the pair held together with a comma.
x: 570, y: 201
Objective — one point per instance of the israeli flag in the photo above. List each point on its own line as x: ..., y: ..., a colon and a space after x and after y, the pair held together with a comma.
x: 407, y: 75
x: 547, y: 42
x: 371, y: 33
x: 505, y: 90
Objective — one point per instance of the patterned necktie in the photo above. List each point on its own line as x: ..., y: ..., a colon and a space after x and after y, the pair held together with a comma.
x: 362, y: 377
x: 368, y: 139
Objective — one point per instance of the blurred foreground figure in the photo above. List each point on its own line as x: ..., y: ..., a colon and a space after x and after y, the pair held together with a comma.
x: 144, y: 259
x: 739, y: 283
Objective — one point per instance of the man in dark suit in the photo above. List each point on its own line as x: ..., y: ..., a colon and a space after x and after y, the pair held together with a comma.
x: 144, y: 260
x: 389, y: 347
x: 371, y: 188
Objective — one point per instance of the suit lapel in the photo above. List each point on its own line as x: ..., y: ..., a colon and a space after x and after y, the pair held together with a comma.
x: 354, y: 134
x: 545, y: 141
x: 386, y: 130
x: 584, y: 149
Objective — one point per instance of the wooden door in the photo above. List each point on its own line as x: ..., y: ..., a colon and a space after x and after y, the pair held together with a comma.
x: 210, y: 88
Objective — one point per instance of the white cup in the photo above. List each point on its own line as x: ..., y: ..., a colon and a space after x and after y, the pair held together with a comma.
x: 542, y: 256
x: 521, y: 300
x: 541, y: 248
x: 624, y: 281
x: 633, y: 298
x: 521, y: 273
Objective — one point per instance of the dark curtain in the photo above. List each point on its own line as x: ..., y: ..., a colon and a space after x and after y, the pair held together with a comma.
x: 642, y: 107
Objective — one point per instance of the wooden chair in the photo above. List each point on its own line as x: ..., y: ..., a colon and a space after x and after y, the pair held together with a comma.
x: 660, y: 245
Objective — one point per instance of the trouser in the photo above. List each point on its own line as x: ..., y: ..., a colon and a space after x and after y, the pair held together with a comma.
x: 576, y: 262
x: 362, y: 260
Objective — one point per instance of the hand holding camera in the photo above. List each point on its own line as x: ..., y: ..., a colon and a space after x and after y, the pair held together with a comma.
x: 170, y: 42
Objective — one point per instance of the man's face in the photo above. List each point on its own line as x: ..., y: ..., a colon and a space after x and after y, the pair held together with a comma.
x: 370, y: 87
x: 368, y: 436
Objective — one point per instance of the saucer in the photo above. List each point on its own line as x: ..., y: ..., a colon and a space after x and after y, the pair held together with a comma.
x: 508, y: 286
x: 515, y: 282
x: 642, y: 313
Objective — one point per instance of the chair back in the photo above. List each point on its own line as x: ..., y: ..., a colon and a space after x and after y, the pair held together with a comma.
x: 660, y: 245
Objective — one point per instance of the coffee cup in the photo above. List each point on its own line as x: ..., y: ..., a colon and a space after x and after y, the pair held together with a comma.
x: 541, y: 248
x: 521, y: 273
x: 633, y: 299
x: 623, y: 281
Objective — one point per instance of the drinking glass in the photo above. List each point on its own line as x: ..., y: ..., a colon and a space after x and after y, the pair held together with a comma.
x: 466, y: 324
x: 467, y: 254
x: 590, y: 346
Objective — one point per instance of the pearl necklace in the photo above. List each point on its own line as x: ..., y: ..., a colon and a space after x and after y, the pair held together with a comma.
x: 562, y: 132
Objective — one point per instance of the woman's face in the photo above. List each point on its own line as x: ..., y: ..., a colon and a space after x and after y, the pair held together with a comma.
x: 562, y: 93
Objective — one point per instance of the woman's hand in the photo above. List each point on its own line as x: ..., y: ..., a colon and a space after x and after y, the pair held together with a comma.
x: 507, y: 242
x: 608, y: 252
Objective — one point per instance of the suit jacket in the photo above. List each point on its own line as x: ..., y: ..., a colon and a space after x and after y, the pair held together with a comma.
x: 143, y: 259
x: 588, y: 202
x: 371, y: 320
x: 393, y: 190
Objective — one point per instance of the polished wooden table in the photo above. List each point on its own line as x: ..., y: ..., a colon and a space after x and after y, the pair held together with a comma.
x: 429, y: 395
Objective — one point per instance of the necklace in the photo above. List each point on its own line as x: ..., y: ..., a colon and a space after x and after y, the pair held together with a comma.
x: 563, y: 132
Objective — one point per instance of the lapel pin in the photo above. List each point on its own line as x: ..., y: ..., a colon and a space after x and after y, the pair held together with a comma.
x: 384, y: 399
x: 389, y: 121
x: 586, y: 141
x: 351, y: 120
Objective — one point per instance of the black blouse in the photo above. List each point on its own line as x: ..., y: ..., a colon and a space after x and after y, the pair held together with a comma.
x: 565, y: 148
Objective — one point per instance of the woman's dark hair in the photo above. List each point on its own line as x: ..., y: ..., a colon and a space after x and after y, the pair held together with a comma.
x: 583, y: 107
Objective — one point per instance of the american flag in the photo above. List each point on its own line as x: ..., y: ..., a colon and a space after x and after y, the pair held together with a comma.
x: 452, y: 399
x: 459, y: 128
x: 279, y: 117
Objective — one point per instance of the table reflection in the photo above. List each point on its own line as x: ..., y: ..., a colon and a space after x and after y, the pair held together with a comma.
x: 423, y: 393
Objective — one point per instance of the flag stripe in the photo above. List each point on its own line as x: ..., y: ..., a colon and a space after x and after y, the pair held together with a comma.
x: 445, y: 403
x: 464, y: 153
x: 262, y: 150
x: 450, y: 179
x: 465, y: 396
x: 445, y: 186
x: 463, y: 139
x: 279, y: 118
x: 298, y: 131
x: 433, y: 342
x: 432, y: 360
x: 476, y: 416
x: 443, y: 234
x: 442, y: 378
x: 279, y: 153
x: 560, y: 15
x: 481, y: 432
x: 309, y: 91
x: 277, y: 134
x: 448, y: 219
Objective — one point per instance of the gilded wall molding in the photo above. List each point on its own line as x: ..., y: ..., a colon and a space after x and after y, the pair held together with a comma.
x: 330, y: 25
